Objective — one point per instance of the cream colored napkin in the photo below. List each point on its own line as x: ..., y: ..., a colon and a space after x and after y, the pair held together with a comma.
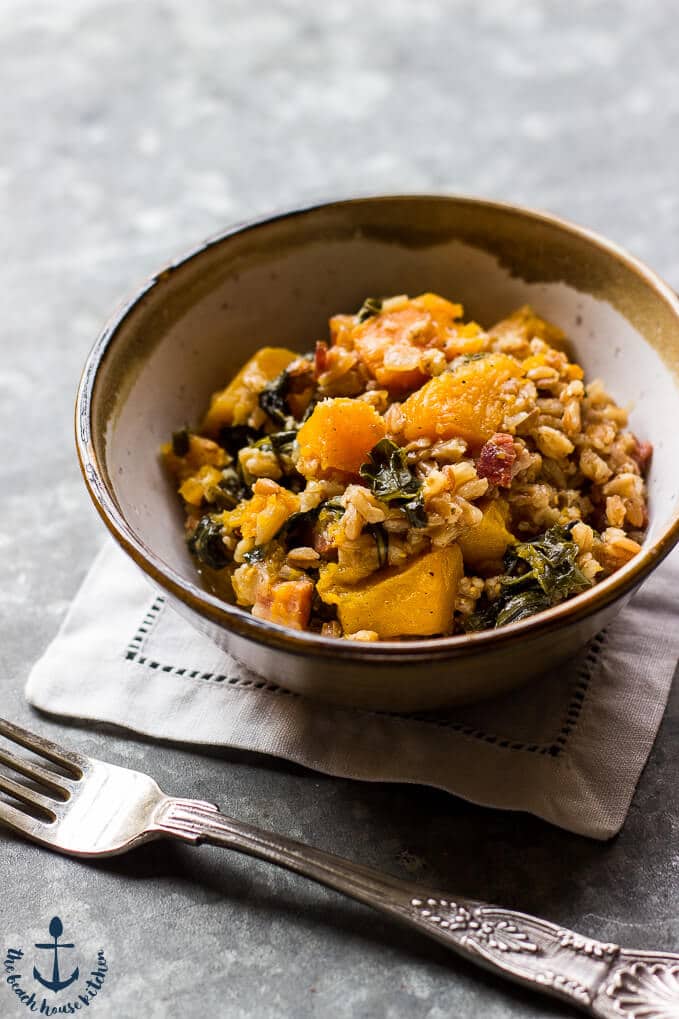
x: 569, y: 748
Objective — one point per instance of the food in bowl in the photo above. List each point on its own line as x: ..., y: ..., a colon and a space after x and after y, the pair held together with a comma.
x: 415, y: 476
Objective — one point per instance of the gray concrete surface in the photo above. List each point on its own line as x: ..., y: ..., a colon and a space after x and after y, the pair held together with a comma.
x: 129, y: 131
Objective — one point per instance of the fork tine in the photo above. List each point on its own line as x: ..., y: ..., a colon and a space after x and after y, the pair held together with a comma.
x: 26, y: 795
x: 46, y: 778
x: 53, y: 752
x: 17, y: 820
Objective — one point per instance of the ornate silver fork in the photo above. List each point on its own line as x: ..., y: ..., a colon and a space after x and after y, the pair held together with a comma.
x: 88, y: 808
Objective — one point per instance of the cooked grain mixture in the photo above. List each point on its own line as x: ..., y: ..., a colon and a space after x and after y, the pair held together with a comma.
x: 415, y: 475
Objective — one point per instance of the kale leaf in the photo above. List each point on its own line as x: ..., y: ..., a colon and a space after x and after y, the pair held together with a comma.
x: 232, y: 438
x: 371, y: 306
x: 551, y: 560
x: 295, y: 530
x: 380, y: 536
x: 282, y: 441
x: 206, y: 544
x: 181, y: 442
x: 232, y: 489
x: 273, y: 398
x: 391, y: 480
x: 415, y: 511
x: 520, y: 606
x: 539, y: 573
x: 255, y: 555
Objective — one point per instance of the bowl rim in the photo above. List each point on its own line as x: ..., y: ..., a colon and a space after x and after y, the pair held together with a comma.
x: 238, y: 620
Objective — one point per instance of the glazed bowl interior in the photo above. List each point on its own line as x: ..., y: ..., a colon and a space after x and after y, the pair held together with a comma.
x: 278, y: 282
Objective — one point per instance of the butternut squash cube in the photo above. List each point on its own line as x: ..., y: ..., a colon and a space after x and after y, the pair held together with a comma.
x: 523, y: 325
x: 235, y: 404
x: 287, y: 603
x: 484, y: 545
x: 467, y: 401
x: 201, y: 452
x: 262, y: 516
x: 338, y: 436
x: 555, y: 360
x: 414, y: 600
x: 392, y: 343
x: 200, y: 485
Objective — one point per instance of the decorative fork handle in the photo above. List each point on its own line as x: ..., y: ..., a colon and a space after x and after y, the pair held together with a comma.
x: 601, y: 979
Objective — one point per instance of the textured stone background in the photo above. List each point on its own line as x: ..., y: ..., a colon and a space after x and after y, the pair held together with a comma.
x: 129, y: 131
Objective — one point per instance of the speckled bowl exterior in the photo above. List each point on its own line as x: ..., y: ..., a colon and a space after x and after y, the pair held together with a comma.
x: 277, y: 282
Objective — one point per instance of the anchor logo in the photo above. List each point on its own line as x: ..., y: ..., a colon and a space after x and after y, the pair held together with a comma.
x: 56, y: 983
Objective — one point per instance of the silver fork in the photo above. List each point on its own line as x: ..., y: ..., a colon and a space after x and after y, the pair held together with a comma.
x: 87, y: 808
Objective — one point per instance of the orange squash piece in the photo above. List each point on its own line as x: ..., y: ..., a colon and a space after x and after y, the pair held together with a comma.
x: 261, y: 516
x: 524, y: 324
x: 287, y: 603
x: 235, y: 404
x: 467, y: 402
x: 466, y: 338
x: 199, y: 486
x: 338, y: 436
x: 484, y: 545
x: 554, y: 360
x: 391, y: 344
x: 341, y: 329
x: 415, y: 600
x: 201, y: 452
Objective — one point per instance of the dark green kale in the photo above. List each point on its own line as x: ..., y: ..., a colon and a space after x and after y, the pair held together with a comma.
x: 232, y: 489
x: 232, y: 438
x: 296, y: 530
x: 281, y: 442
x: 181, y: 442
x: 391, y: 480
x: 371, y: 306
x: 206, y: 544
x: 381, y: 539
x: 415, y: 511
x: 539, y: 573
x: 549, y: 560
x: 255, y: 555
x: 521, y: 605
x: 332, y: 506
x: 293, y: 482
x: 273, y: 398
x: 483, y: 618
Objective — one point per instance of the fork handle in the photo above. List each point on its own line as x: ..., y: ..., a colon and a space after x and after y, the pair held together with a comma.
x: 600, y: 978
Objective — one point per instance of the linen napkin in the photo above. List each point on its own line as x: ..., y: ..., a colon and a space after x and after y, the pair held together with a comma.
x: 570, y: 747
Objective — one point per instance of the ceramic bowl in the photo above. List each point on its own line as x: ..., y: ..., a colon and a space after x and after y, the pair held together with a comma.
x: 277, y: 282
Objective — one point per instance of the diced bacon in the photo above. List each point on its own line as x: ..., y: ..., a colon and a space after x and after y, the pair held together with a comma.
x: 320, y: 358
x: 642, y: 455
x: 496, y: 459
